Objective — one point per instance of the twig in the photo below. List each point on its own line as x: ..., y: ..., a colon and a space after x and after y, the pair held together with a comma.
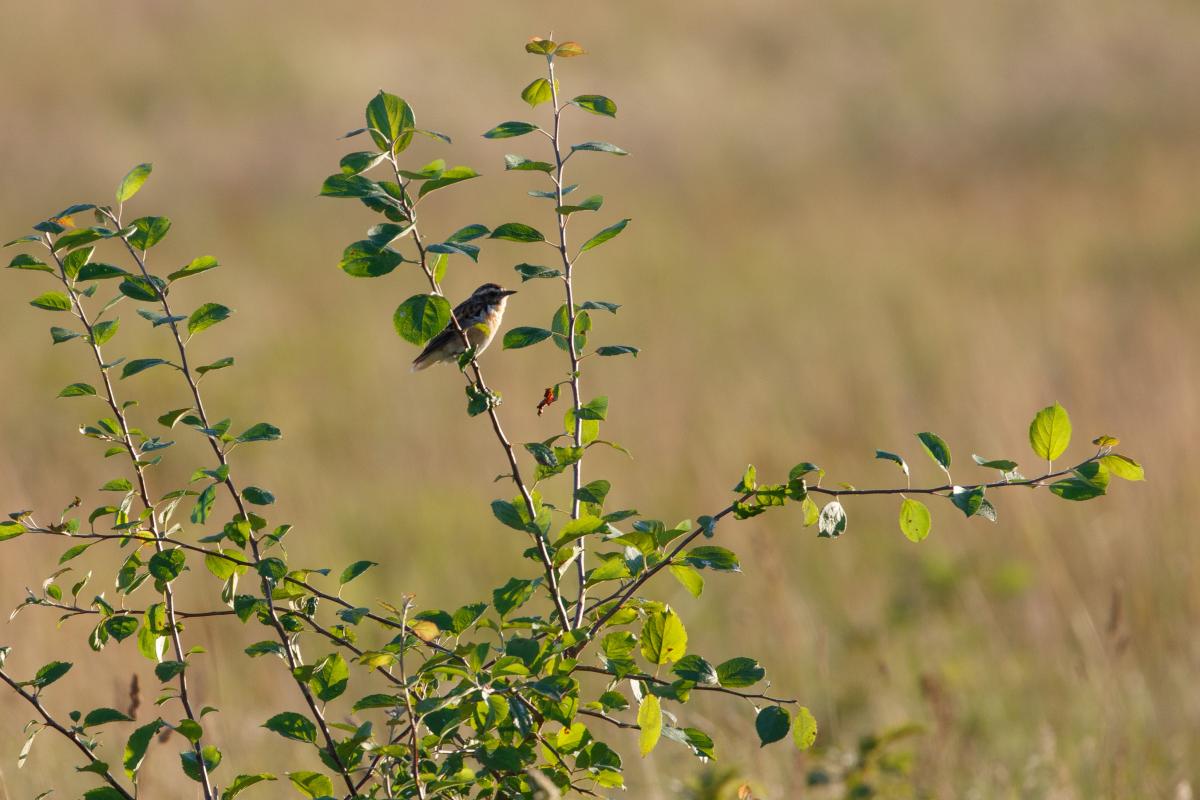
x: 493, y: 415
x: 33, y: 700
x: 219, y: 452
x: 698, y: 687
x: 144, y: 495
x: 572, y: 316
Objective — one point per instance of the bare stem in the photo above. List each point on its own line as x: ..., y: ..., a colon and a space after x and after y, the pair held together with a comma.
x: 572, y: 351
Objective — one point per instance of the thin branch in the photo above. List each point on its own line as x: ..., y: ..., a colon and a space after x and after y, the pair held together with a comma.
x: 698, y: 687
x: 33, y: 700
x: 493, y: 415
x: 608, y: 719
x: 148, y: 504
x: 219, y: 452
x: 572, y: 352
x: 77, y: 610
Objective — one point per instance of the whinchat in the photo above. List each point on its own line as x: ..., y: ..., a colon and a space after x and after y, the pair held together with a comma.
x: 479, y: 315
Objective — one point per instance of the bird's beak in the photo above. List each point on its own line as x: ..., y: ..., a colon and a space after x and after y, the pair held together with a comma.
x: 507, y: 292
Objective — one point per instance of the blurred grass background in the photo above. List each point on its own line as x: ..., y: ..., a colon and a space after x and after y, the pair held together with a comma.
x: 852, y: 221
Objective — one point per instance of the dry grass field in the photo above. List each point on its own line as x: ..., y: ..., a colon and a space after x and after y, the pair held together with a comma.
x: 851, y: 221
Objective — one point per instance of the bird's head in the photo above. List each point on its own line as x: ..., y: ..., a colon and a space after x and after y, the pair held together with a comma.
x: 491, y: 294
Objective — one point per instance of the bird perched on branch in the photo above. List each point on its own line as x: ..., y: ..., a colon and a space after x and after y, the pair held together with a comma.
x: 479, y: 317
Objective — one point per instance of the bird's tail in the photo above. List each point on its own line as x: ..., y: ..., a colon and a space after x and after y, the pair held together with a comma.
x: 422, y: 362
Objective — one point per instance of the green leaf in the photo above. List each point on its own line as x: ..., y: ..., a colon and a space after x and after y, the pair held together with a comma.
x: 578, y: 528
x: 596, y: 104
x: 1002, y: 464
x: 98, y: 272
x: 537, y: 93
x: 167, y: 565
x: 421, y: 317
x: 1123, y: 467
x: 117, y: 485
x: 355, y: 163
x: 1050, y: 432
x: 650, y: 721
x: 521, y: 164
x: 260, y: 432
x: 224, y: 568
x: 191, y: 762
x: 966, y: 500
x: 60, y: 335
x: 594, y: 409
x: 603, y: 236
x: 592, y: 203
x: 713, y: 557
x: 139, y: 288
x: 51, y: 301
x: 10, y: 530
x: 102, y: 716
x: 198, y: 265
x: 133, y: 181
x: 354, y: 570
x: 291, y: 725
x: 618, y: 350
x: 739, y: 672
x: 937, y: 449
x: 594, y: 492
x: 135, y: 748
x: 804, y: 728
x: 832, y: 521
x: 507, y: 513
x: 600, y: 147
x: 885, y: 455
x: 78, y: 390
x: 132, y: 368
x: 103, y: 331
x: 695, y: 669
x: 100, y: 792
x: 387, y: 116
x: 50, y: 673
x: 511, y: 595
x: 517, y: 232
x: 330, y: 681
x: 257, y: 496
x: 206, y: 316
x: 148, y: 231
x: 243, y: 782
x: 447, y: 178
x: 220, y: 363
x: 311, y: 784
x: 914, y: 519
x: 343, y: 185
x: 507, y: 130
x: 1076, y: 489
x: 691, y: 580
x: 663, y: 638
x: 772, y: 724
x: 366, y: 259
x: 26, y: 261
x: 561, y: 322
x: 531, y: 271
x: 524, y: 337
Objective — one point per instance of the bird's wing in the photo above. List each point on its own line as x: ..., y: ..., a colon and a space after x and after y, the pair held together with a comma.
x: 435, y: 345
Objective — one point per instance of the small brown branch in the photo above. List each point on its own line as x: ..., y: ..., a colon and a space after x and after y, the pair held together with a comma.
x: 493, y: 415
x: 698, y: 687
x: 144, y: 494
x: 222, y: 460
x: 34, y: 701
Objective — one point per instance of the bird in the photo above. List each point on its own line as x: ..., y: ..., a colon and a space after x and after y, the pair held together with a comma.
x: 479, y: 315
